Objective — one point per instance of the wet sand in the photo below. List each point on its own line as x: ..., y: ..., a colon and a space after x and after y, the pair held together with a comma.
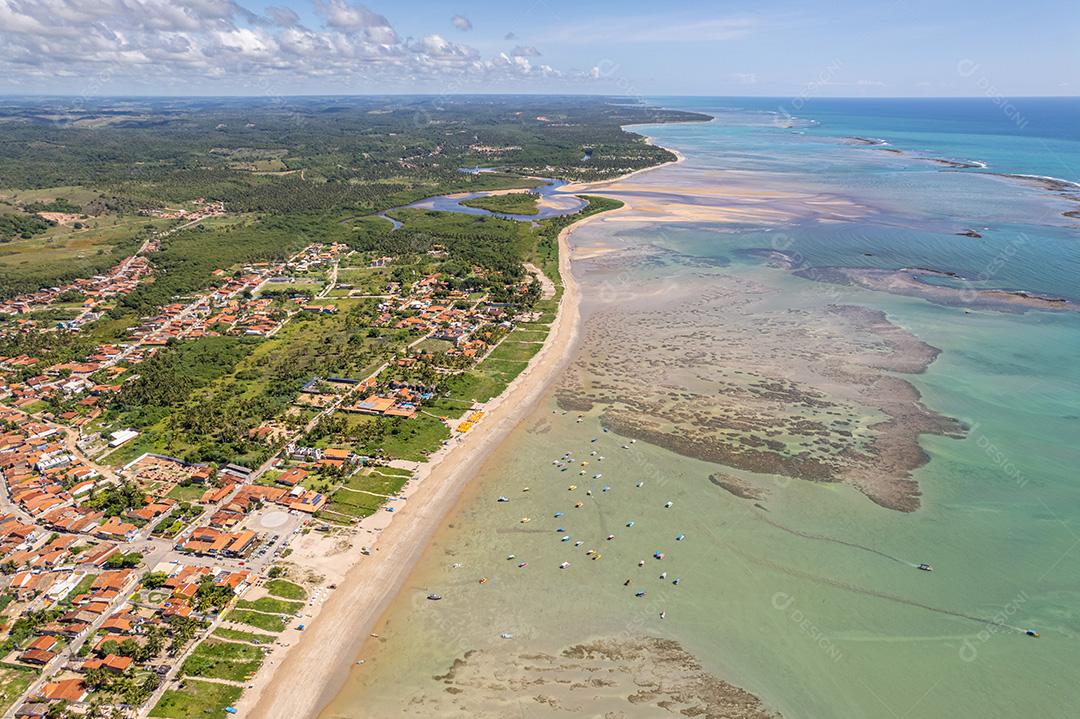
x: 602, y: 678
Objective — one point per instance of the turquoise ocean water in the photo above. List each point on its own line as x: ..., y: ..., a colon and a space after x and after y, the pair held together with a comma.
x: 818, y: 610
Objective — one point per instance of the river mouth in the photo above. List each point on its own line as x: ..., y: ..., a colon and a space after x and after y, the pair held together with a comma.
x: 552, y: 203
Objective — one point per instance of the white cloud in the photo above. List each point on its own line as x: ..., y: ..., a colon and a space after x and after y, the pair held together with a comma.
x: 147, y: 44
x: 461, y: 23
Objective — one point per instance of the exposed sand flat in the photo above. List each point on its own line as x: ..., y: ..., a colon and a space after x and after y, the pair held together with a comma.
x: 721, y: 367
x: 717, y: 197
x: 909, y: 282
x: 636, y: 678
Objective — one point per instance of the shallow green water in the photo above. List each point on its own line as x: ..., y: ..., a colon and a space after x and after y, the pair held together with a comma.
x: 814, y: 604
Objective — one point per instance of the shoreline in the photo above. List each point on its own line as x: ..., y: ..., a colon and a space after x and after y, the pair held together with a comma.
x: 318, y: 663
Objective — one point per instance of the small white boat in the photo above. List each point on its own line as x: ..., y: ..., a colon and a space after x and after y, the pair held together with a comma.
x: 667, y: 505
x: 503, y: 499
x: 506, y: 635
x: 564, y: 565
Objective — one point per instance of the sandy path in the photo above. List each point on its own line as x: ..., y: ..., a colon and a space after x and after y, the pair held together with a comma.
x: 311, y: 672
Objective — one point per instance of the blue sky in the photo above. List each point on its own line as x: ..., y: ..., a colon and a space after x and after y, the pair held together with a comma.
x: 836, y: 48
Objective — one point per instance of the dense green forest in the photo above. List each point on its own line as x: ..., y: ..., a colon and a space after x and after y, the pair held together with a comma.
x: 17, y: 224
x: 514, y: 203
x: 291, y: 173
x: 359, y: 153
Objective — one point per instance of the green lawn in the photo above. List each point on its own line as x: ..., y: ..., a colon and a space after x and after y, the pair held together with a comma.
x: 409, y: 439
x: 13, y: 682
x: 286, y: 589
x: 81, y: 588
x: 266, y: 622
x: 239, y: 636
x: 188, y: 493
x: 518, y: 351
x: 196, y: 699
x: 223, y: 660
x: 366, y: 280
x: 394, y: 471
x: 377, y: 483
x: 271, y: 605
x: 354, y: 504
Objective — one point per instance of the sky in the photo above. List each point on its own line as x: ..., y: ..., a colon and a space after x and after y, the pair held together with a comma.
x: 836, y: 48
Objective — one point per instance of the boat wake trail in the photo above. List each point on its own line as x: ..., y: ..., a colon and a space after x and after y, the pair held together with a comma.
x: 871, y: 592
x: 834, y: 540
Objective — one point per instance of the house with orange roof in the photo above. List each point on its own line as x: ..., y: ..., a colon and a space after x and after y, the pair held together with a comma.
x: 72, y: 690
x: 115, y: 528
x: 291, y: 476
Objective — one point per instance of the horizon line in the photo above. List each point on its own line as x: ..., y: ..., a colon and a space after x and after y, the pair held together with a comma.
x: 526, y: 94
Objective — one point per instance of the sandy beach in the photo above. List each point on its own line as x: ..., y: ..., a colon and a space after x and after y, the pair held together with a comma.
x: 303, y: 674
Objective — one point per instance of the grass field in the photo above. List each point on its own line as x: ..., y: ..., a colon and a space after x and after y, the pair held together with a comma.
x: 286, y: 590
x: 189, y: 493
x: 516, y: 351
x: 223, y: 660
x: 377, y: 483
x: 266, y: 622
x: 196, y: 700
x: 411, y: 439
x: 81, y: 588
x: 354, y: 504
x: 302, y: 286
x: 239, y: 636
x: 13, y: 681
x: 271, y: 605
x: 366, y: 280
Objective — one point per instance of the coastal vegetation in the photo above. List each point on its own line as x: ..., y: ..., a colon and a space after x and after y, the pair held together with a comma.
x: 511, y: 203
x: 196, y: 699
x: 206, y: 322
